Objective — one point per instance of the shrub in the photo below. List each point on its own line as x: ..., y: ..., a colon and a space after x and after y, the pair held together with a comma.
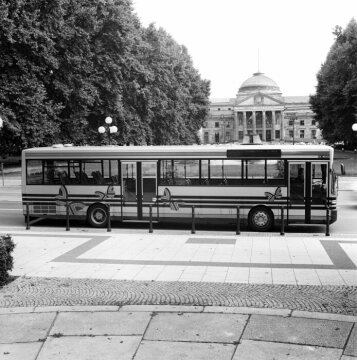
x: 6, y: 260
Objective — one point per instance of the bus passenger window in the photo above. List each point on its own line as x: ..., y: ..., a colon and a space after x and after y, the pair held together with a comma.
x: 53, y: 170
x: 90, y: 168
x: 217, y: 172
x: 166, y: 175
x: 275, y: 172
x: 254, y: 171
x: 74, y: 169
x: 233, y: 171
x: 205, y: 175
x: 319, y: 182
x: 34, y: 172
x: 114, y: 172
x: 180, y: 172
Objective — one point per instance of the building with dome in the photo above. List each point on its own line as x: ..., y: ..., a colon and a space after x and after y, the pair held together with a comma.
x: 258, y: 113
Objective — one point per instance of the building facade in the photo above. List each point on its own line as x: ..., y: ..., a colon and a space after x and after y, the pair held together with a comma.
x: 259, y: 112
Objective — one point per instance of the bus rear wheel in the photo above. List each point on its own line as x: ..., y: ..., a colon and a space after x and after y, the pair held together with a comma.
x: 261, y: 219
x: 97, y: 216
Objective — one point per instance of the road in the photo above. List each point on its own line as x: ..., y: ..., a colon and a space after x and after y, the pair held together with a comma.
x: 11, y: 211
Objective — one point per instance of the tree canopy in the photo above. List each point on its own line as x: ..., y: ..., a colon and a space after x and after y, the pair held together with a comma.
x: 335, y: 102
x: 65, y: 65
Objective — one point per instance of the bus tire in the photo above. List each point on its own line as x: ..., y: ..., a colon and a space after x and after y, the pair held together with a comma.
x: 97, y: 216
x: 260, y: 218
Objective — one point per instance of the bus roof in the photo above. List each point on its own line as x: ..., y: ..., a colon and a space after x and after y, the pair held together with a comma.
x: 180, y: 151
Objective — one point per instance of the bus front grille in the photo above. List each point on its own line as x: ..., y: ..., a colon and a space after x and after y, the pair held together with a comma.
x: 44, y: 208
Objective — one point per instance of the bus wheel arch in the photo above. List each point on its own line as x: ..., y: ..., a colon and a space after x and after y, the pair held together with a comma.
x: 97, y: 215
x: 260, y: 218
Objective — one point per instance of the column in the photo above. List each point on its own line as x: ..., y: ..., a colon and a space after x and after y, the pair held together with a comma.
x: 282, y: 135
x: 264, y: 126
x: 235, y: 127
x: 254, y: 124
x: 244, y: 123
x: 273, y: 125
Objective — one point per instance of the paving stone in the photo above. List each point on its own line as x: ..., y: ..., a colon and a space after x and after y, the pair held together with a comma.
x: 246, y: 310
x: 24, y: 327
x: 154, y: 350
x: 101, y: 323
x: 75, y: 308
x: 344, y: 357
x: 298, y: 331
x: 162, y: 308
x: 17, y: 310
x: 351, y: 348
x: 225, y: 328
x: 324, y: 316
x: 23, y: 351
x: 261, y: 350
x: 90, y: 348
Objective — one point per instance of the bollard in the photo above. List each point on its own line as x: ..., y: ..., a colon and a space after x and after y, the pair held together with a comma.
x: 109, y: 224
x: 282, y: 222
x: 327, y: 221
x: 27, y: 217
x: 343, y: 171
x: 2, y: 173
x: 150, y: 223
x: 67, y: 216
x: 238, y: 222
x: 193, y: 230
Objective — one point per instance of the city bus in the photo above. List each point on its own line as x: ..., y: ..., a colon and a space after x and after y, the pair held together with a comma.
x: 168, y: 183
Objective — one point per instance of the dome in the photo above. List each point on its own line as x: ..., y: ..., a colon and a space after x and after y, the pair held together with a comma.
x: 259, y: 82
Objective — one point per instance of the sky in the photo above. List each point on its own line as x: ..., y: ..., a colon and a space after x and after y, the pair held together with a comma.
x: 225, y: 37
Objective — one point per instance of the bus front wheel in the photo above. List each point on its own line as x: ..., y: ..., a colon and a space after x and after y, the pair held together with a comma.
x: 98, y: 216
x: 261, y: 219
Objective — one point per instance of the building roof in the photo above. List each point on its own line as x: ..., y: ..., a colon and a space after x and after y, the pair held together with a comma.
x: 296, y: 99
x: 259, y: 82
x: 222, y: 101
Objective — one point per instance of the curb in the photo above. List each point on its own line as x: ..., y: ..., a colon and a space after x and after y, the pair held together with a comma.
x: 184, y: 309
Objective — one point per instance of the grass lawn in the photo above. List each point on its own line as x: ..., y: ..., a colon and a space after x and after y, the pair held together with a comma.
x: 348, y: 159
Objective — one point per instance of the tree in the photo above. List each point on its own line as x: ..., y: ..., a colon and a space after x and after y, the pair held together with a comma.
x: 26, y: 54
x: 335, y: 102
x: 65, y: 65
x: 177, y: 96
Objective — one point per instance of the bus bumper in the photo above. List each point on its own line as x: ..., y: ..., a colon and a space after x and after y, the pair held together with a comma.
x: 333, y: 216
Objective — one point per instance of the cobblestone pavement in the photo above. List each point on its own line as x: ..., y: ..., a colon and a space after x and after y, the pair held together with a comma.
x: 54, y: 291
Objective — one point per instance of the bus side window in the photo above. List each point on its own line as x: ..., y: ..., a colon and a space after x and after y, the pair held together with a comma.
x: 34, y: 172
x: 275, y: 172
x: 319, y: 182
x: 254, y: 171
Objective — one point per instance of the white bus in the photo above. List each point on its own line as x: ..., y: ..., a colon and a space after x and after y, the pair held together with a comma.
x: 170, y: 180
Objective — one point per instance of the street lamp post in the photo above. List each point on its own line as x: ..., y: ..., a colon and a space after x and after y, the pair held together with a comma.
x: 111, y: 129
x: 1, y: 164
x: 354, y: 128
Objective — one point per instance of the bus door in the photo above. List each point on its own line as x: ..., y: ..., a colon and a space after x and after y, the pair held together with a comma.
x: 308, y: 183
x: 319, y: 183
x: 139, y: 188
x: 297, y: 191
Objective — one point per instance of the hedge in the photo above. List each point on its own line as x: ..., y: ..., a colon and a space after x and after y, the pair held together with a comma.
x: 6, y: 261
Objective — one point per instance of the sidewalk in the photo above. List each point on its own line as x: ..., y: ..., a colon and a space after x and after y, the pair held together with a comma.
x: 179, y: 311
x: 177, y: 255
x: 173, y: 333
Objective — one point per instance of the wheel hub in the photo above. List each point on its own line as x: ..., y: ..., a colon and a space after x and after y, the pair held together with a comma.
x: 261, y: 218
x: 99, y: 216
